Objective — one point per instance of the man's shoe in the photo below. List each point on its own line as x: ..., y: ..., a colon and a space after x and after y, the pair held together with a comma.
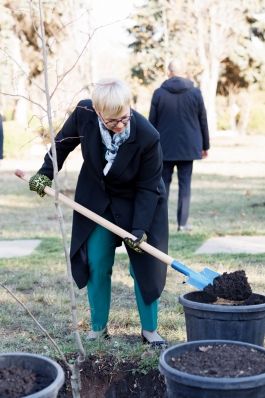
x: 96, y: 335
x: 184, y: 228
x: 153, y: 339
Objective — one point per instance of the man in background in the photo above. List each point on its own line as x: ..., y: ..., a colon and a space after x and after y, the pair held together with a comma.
x: 178, y: 113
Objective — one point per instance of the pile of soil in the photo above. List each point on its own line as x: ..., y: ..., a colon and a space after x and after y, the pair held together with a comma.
x: 103, y: 377
x: 233, y: 286
x: 222, y: 360
x: 17, y: 382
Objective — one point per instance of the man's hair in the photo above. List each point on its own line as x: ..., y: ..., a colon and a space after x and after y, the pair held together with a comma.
x: 176, y: 67
x: 111, y: 96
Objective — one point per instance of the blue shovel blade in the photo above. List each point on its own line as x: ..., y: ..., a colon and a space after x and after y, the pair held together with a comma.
x: 209, y: 274
x: 196, y: 279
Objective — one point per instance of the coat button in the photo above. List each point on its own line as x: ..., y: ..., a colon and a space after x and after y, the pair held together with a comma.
x: 118, y: 215
x: 102, y: 181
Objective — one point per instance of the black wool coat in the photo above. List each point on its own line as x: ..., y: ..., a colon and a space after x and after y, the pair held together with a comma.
x: 178, y: 113
x: 133, y: 189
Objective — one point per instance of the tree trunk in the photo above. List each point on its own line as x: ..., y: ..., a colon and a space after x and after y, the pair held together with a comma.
x: 19, y: 79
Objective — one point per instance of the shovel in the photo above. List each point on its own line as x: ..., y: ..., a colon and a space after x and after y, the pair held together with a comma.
x: 197, y: 279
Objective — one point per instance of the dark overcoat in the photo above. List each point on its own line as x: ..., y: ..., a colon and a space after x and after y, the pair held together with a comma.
x: 178, y: 113
x: 133, y: 189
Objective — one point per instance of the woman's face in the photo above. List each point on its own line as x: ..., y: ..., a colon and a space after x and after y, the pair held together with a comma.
x: 118, y: 124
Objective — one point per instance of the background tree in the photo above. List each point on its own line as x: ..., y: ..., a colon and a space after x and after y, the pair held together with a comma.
x: 203, y: 34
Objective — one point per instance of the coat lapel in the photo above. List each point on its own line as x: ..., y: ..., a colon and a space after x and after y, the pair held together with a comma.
x: 94, y: 144
x: 125, y: 153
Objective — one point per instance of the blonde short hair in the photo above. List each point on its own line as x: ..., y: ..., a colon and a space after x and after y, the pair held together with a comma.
x: 111, y: 96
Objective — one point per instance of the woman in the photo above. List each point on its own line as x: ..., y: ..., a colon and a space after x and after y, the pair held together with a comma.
x: 120, y: 180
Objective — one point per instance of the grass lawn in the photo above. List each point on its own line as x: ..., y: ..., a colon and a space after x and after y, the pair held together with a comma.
x: 227, y: 198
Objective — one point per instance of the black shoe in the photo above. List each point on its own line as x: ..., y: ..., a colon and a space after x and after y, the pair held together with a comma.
x: 156, y: 344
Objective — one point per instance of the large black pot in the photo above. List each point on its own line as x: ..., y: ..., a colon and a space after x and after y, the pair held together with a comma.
x: 39, y: 364
x: 206, y: 321
x: 183, y: 385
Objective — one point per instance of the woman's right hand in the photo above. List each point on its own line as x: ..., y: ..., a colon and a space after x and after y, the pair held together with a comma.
x: 133, y: 244
x: 38, y: 182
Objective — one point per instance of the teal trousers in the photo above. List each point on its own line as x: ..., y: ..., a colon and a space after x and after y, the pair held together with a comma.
x: 101, y: 246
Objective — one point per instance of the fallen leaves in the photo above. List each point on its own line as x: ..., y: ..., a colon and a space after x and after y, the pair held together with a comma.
x: 204, y: 349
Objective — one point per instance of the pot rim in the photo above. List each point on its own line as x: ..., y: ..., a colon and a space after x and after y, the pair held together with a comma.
x: 210, y: 382
x: 220, y: 308
x: 56, y: 384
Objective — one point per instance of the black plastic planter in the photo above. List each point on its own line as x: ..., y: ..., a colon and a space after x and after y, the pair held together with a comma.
x: 39, y: 364
x: 206, y: 321
x: 183, y: 385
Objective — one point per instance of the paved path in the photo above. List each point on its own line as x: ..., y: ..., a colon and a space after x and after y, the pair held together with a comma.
x: 21, y: 248
x: 233, y: 244
x: 17, y: 248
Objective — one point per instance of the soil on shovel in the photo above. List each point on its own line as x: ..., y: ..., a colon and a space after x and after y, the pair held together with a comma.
x: 103, y: 377
x: 233, y: 286
x: 17, y: 382
x: 221, y: 361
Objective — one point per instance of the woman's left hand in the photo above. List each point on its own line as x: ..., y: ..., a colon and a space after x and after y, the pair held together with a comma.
x: 134, y: 244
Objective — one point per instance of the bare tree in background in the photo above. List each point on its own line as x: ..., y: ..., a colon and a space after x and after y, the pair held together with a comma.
x: 216, y: 23
x: 203, y: 33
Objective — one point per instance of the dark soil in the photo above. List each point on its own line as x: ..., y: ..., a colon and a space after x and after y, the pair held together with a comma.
x: 106, y: 378
x: 254, y: 299
x: 221, y: 361
x: 233, y: 286
x: 17, y: 382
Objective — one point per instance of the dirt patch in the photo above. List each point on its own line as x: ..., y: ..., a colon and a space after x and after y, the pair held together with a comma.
x: 222, y: 360
x: 233, y: 286
x: 106, y: 378
x: 17, y: 382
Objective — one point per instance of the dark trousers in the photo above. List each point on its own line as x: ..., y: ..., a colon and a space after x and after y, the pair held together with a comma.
x: 184, y: 181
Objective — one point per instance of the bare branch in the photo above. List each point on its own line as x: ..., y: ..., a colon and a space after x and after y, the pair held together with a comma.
x: 31, y: 80
x: 14, y: 9
x: 22, y: 96
x: 85, y: 46
x: 68, y: 24
x: 39, y: 325
x: 33, y: 23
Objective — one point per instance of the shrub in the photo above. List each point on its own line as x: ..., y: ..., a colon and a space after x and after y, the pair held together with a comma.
x: 17, y: 139
x: 256, y: 124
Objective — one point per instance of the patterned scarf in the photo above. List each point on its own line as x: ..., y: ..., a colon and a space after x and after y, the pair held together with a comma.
x: 112, y: 143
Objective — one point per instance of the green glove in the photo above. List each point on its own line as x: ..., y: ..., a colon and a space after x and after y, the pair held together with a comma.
x: 133, y: 244
x: 38, y: 182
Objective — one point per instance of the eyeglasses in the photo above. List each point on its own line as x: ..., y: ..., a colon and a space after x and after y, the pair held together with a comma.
x: 113, y: 123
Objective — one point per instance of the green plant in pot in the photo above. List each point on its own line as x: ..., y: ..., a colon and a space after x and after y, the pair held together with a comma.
x: 214, y: 369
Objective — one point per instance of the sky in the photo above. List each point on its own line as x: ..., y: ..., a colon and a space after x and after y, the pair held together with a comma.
x: 112, y: 16
x: 109, y: 44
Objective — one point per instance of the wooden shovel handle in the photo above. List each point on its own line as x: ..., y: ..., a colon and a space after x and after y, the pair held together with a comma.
x: 100, y: 220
